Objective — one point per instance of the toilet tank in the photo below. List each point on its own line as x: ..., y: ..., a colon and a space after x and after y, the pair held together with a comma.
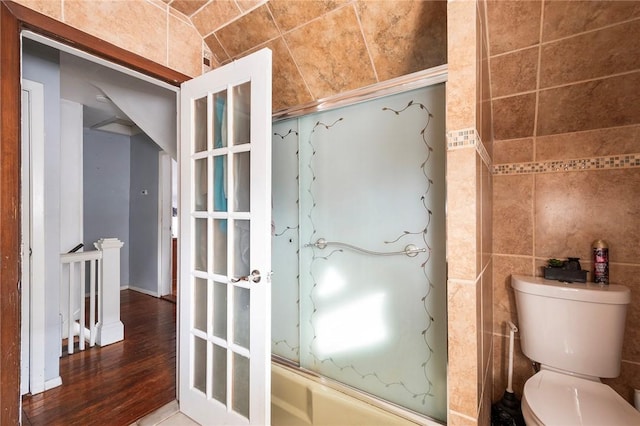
x: 578, y: 328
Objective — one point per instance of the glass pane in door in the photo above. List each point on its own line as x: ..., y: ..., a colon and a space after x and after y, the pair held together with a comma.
x: 242, y: 114
x: 220, y: 310
x: 200, y: 124
x: 241, y: 298
x: 220, y: 183
x: 199, y: 378
x: 241, y: 174
x: 201, y: 184
x: 240, y: 384
x: 200, y: 240
x: 219, y: 370
x: 220, y: 119
x: 220, y: 246
x: 200, y: 304
x: 241, y: 252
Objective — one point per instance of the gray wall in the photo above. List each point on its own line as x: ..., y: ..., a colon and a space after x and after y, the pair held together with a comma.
x: 143, y: 214
x: 41, y: 63
x: 106, y: 192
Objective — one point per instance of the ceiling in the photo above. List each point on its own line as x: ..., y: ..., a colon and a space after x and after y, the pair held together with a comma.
x: 323, y: 47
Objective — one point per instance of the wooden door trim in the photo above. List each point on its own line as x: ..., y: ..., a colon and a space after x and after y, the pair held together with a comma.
x: 13, y: 19
x: 9, y: 217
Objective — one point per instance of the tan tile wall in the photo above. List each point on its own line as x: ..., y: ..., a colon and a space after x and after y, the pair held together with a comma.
x: 469, y: 213
x: 149, y: 28
x: 565, y: 79
x: 325, y: 47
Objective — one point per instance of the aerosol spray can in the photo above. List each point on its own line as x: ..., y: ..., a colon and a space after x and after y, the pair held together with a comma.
x: 600, y: 262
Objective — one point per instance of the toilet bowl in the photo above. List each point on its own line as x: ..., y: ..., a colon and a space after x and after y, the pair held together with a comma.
x: 575, y: 332
x: 552, y: 398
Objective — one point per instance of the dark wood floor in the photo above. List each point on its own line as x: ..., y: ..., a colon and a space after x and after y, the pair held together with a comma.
x: 120, y: 383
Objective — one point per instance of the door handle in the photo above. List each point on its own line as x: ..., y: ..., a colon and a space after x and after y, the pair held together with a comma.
x: 254, y: 277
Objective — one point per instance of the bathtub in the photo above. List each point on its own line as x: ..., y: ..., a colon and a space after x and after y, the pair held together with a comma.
x: 299, y: 399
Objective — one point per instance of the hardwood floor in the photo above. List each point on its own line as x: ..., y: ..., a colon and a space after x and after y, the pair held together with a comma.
x: 120, y: 383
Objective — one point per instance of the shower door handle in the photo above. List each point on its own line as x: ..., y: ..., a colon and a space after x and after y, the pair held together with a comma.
x: 254, y: 277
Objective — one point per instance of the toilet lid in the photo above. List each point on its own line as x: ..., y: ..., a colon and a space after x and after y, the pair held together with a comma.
x: 559, y: 399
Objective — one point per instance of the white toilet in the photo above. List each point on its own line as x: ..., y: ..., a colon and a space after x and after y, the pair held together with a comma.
x: 575, y: 332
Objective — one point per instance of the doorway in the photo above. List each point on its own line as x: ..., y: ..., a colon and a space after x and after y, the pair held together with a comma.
x: 15, y: 18
x: 116, y: 189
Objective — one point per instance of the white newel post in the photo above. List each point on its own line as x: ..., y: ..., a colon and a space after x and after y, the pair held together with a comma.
x: 109, y: 329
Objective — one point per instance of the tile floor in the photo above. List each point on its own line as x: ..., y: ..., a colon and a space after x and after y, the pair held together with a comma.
x: 169, y: 415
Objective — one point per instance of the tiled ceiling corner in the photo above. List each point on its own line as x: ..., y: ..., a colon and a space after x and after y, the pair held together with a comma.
x: 324, y: 47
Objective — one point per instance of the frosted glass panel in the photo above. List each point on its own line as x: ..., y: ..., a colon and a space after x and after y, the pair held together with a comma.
x: 241, y: 248
x: 200, y: 304
x: 370, y: 175
x: 241, y: 316
x: 220, y: 183
x: 241, y: 171
x: 242, y: 113
x: 220, y: 310
x: 220, y: 119
x: 200, y: 125
x: 199, y: 378
x: 220, y: 248
x: 200, y: 241
x: 285, y: 324
x: 219, y: 379
x: 241, y: 385
x: 201, y: 184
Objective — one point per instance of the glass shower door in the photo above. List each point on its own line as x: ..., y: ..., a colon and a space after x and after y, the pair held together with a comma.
x: 367, y: 276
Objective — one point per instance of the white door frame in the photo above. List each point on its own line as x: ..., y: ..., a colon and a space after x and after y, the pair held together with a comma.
x: 164, y: 223
x: 33, y: 303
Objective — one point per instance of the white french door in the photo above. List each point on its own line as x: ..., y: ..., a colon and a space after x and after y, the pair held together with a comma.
x: 225, y: 244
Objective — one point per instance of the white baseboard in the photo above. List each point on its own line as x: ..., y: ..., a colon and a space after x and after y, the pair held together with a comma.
x: 143, y: 290
x: 52, y: 383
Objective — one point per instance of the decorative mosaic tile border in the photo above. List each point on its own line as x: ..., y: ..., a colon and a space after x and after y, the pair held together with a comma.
x: 600, y: 163
x: 462, y: 138
x: 465, y: 138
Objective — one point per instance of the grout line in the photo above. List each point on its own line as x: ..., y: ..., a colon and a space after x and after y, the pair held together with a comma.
x: 553, y: 135
x: 604, y: 27
x: 286, y: 45
x: 464, y: 416
x: 538, y: 73
x: 559, y: 86
x: 544, y: 43
x: 366, y: 43
x: 535, y: 134
x: 198, y: 10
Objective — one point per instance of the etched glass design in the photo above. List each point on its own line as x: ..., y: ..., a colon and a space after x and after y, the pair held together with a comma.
x: 369, y: 175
